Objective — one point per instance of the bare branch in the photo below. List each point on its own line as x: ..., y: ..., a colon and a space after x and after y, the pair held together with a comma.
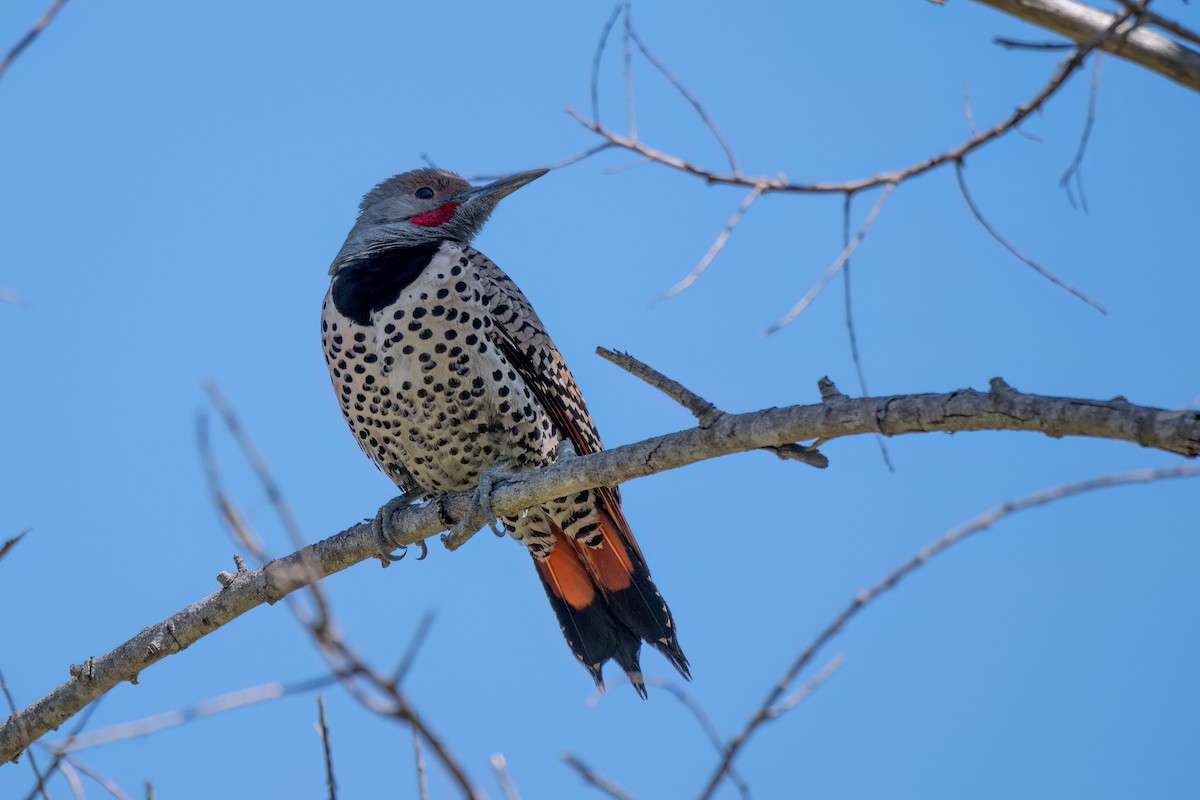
x: 32, y: 34
x: 766, y: 710
x: 837, y: 264
x: 1083, y: 23
x: 1116, y: 31
x: 995, y: 234
x: 1003, y: 408
x: 592, y: 778
x: 705, y: 412
x: 1149, y: 17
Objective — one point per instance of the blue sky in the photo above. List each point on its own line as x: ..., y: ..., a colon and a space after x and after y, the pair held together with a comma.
x: 175, y: 179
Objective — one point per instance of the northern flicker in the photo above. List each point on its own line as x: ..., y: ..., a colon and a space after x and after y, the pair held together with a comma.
x: 447, y: 378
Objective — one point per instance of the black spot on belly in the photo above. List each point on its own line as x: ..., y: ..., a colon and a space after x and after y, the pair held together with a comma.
x: 369, y: 284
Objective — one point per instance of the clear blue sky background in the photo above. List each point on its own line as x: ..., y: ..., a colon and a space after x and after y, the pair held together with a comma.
x: 175, y: 178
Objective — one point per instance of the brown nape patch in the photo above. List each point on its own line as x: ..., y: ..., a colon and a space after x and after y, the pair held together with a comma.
x: 445, y: 185
x: 565, y: 575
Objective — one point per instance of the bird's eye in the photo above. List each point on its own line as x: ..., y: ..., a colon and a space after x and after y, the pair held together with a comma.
x: 424, y: 193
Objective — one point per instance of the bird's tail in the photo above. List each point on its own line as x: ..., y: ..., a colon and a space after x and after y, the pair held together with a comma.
x: 605, y: 600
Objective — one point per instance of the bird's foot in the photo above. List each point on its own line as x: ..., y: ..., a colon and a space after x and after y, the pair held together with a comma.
x: 385, y: 533
x: 481, y: 508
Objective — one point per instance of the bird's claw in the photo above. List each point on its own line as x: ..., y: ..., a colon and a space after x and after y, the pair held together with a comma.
x: 481, y: 508
x: 385, y: 534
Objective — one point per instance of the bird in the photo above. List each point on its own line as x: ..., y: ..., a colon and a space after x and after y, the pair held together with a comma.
x: 448, y: 381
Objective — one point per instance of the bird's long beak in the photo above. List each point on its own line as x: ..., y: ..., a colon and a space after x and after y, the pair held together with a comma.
x: 499, y: 189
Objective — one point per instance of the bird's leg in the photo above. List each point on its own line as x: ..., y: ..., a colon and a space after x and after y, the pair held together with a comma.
x: 565, y: 451
x: 385, y: 534
x: 481, y: 507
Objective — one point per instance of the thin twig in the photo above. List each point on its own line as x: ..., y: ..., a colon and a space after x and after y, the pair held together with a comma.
x: 11, y: 543
x: 626, y: 38
x: 604, y: 34
x: 850, y: 330
x: 995, y: 234
x: 1075, y: 168
x: 258, y: 462
x: 169, y: 719
x: 323, y: 732
x: 593, y: 778
x: 500, y: 767
x: 716, y: 246
x: 422, y: 788
x: 833, y: 268
x: 1018, y: 44
x: 32, y: 34
x: 678, y: 84
x: 414, y: 646
x: 922, y: 557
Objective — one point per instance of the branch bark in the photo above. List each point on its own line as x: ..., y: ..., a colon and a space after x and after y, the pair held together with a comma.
x: 1083, y: 23
x: 1002, y: 408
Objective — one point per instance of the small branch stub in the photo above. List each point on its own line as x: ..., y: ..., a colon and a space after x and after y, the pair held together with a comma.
x: 829, y: 392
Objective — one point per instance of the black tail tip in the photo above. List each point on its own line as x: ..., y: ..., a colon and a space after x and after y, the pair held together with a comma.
x: 638, y: 683
x: 675, y: 656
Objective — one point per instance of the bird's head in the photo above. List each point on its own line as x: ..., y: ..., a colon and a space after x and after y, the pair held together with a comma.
x: 421, y: 206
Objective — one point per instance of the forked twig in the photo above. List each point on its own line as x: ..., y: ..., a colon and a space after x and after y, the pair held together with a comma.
x: 705, y: 412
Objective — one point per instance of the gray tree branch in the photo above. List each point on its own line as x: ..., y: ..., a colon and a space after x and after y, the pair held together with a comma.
x: 1002, y: 408
x: 1083, y: 23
